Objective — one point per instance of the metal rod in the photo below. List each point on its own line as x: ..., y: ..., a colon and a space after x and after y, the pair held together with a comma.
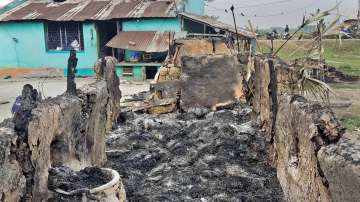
x: 287, y: 40
x: 358, y: 17
x: 236, y: 31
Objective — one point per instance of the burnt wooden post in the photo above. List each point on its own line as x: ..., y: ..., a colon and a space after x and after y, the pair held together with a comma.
x: 232, y: 8
x: 273, y: 90
x: 71, y: 71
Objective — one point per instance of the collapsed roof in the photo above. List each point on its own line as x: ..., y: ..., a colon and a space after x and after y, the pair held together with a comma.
x: 82, y: 10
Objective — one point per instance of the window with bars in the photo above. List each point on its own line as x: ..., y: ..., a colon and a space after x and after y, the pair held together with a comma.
x: 64, y: 36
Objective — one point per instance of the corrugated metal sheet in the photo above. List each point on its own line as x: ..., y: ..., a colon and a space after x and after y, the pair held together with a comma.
x: 90, y: 10
x: 217, y: 24
x: 124, y: 9
x: 149, y: 42
x: 82, y: 10
x: 354, y: 17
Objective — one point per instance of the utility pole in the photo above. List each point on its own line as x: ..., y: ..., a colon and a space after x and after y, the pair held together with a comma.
x: 232, y: 8
x: 358, y: 18
x: 338, y: 9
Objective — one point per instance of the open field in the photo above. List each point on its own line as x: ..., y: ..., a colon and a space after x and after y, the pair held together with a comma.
x: 345, y: 58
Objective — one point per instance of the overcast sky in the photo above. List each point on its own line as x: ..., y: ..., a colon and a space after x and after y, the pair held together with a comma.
x: 270, y: 13
x: 4, y: 2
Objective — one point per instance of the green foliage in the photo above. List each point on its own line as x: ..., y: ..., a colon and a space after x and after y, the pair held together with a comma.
x: 338, y: 56
x: 352, y: 123
x: 345, y: 67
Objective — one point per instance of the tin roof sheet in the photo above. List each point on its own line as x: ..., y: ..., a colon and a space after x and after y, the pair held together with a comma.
x: 81, y: 10
x: 142, y: 41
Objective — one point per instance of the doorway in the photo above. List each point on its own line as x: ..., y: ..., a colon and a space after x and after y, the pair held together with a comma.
x: 106, y: 30
x: 150, y: 72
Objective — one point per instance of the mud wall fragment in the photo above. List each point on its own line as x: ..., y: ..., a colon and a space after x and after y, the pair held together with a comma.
x: 63, y: 131
x: 68, y: 131
x: 315, y: 161
x: 207, y: 81
x: 340, y: 164
x: 302, y: 129
x: 12, y: 180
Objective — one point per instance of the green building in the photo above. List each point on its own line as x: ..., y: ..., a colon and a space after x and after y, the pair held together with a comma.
x: 40, y: 34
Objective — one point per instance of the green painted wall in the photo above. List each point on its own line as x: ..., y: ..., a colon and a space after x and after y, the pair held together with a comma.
x: 157, y: 24
x: 137, y: 72
x: 23, y: 46
x: 161, y: 24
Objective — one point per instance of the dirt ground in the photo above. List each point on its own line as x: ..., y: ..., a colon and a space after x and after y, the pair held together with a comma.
x: 11, y: 88
x: 349, y: 115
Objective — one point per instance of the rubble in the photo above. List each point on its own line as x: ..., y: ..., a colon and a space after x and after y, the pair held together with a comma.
x: 61, y: 131
x: 194, y: 156
x: 332, y: 75
x: 12, y: 180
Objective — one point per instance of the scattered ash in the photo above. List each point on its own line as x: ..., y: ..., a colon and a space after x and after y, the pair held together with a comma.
x: 68, y: 180
x: 194, y: 156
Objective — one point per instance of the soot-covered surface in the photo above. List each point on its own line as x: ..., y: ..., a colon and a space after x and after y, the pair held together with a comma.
x: 195, y: 156
x: 68, y: 180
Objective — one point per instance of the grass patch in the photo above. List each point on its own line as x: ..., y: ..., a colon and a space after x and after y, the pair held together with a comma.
x: 346, y: 58
x: 352, y: 123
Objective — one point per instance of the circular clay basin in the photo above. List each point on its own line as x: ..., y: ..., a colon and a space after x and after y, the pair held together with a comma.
x: 109, y: 192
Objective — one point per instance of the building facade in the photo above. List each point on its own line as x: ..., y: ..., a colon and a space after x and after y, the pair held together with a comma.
x: 40, y: 35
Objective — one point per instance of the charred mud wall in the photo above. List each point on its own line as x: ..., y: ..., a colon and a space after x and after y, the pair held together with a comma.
x: 315, y: 161
x: 207, y: 81
x: 340, y: 164
x: 12, y: 180
x: 68, y: 131
x: 63, y: 131
x: 302, y: 129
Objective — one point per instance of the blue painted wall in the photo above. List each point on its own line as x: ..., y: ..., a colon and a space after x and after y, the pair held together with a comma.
x: 195, y: 6
x: 157, y: 24
x: 30, y: 50
x: 160, y: 24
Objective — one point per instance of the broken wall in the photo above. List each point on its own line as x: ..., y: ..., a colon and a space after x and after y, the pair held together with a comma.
x: 210, y: 80
x: 12, y: 180
x: 315, y: 161
x: 66, y: 130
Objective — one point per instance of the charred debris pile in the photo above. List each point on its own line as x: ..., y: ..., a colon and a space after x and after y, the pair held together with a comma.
x: 192, y: 139
x: 197, y: 155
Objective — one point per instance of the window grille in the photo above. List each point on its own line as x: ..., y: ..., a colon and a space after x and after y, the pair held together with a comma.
x: 64, y: 36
